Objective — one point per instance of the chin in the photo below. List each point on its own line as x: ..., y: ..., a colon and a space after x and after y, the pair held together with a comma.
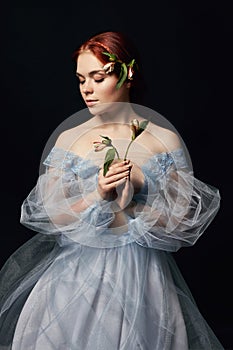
x: 109, y: 107
x: 102, y: 108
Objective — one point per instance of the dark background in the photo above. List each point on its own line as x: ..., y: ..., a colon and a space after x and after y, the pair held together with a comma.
x: 187, y: 58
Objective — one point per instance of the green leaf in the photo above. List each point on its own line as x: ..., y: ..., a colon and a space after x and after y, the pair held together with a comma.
x: 142, y: 127
x: 111, y: 56
x: 143, y: 124
x: 106, y: 140
x: 131, y: 63
x: 109, y: 157
x: 105, y: 137
x: 123, y: 75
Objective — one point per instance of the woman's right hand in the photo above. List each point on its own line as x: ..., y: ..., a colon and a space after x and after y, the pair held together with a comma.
x: 116, y: 176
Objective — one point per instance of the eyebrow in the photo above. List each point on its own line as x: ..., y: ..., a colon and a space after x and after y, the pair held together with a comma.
x: 101, y: 71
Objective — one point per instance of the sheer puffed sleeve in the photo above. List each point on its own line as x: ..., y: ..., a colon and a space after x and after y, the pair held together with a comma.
x: 173, y: 208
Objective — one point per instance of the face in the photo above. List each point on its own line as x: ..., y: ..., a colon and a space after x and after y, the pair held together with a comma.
x: 97, y: 88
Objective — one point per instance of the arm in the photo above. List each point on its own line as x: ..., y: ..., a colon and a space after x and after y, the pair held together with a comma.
x: 174, y: 208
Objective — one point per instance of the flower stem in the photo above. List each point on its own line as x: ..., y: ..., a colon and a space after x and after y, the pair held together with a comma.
x: 127, y: 149
x: 116, y: 151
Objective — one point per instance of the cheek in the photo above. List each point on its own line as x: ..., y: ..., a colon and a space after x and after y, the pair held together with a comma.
x: 112, y: 91
x: 109, y: 86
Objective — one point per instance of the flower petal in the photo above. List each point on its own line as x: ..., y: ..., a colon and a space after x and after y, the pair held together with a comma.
x: 109, y: 67
x: 98, y: 146
x: 130, y: 73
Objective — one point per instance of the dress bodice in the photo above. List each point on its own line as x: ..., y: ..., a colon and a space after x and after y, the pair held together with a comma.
x: 69, y: 161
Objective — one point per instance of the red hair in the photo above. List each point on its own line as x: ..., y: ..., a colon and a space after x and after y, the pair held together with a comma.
x: 114, y: 43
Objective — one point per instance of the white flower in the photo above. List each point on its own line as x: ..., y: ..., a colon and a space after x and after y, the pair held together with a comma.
x: 109, y: 67
x: 130, y: 73
x: 134, y: 126
x: 98, y: 146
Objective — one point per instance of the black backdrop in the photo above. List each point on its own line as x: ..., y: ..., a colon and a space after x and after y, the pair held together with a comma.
x: 186, y: 53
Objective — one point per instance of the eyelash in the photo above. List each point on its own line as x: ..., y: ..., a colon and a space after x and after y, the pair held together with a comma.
x: 96, y: 81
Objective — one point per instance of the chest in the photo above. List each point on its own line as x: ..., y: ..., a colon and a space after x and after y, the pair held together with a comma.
x: 138, y: 151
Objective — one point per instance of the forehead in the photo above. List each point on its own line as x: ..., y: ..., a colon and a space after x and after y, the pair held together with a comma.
x: 87, y: 62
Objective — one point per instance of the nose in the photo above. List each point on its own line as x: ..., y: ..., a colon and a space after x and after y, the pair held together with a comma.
x: 87, y: 87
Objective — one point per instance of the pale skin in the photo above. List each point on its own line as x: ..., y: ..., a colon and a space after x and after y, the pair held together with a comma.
x: 99, y: 92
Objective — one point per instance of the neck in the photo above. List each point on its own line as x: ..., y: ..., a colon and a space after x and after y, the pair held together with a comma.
x: 117, y: 113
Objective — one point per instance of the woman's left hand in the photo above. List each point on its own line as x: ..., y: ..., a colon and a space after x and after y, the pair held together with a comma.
x: 132, y: 185
x: 125, y: 193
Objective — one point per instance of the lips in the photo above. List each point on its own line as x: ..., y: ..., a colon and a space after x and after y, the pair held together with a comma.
x: 91, y: 103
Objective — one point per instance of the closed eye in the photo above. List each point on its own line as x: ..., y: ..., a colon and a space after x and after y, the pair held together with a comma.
x: 99, y: 80
x: 98, y: 76
x: 96, y: 81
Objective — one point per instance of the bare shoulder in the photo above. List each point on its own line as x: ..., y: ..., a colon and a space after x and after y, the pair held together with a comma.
x: 68, y: 137
x: 166, y: 139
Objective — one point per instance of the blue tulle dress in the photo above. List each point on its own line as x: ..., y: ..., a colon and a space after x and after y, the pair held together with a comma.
x: 79, y: 284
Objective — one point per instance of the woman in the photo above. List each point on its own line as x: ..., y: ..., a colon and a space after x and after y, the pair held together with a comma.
x: 118, y: 195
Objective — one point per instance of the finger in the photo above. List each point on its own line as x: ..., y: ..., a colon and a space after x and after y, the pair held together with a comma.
x: 120, y: 182
x: 118, y: 168
x: 115, y: 177
x: 108, y: 188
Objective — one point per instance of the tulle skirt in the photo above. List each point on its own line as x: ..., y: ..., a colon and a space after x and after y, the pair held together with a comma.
x: 84, y: 298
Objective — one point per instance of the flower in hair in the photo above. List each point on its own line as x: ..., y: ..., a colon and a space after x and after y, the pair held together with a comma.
x: 131, y: 69
x: 126, y: 71
x: 109, y: 67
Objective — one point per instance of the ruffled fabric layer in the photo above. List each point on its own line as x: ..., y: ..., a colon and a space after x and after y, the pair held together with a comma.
x: 80, y: 284
x: 80, y: 297
x: 172, y: 209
